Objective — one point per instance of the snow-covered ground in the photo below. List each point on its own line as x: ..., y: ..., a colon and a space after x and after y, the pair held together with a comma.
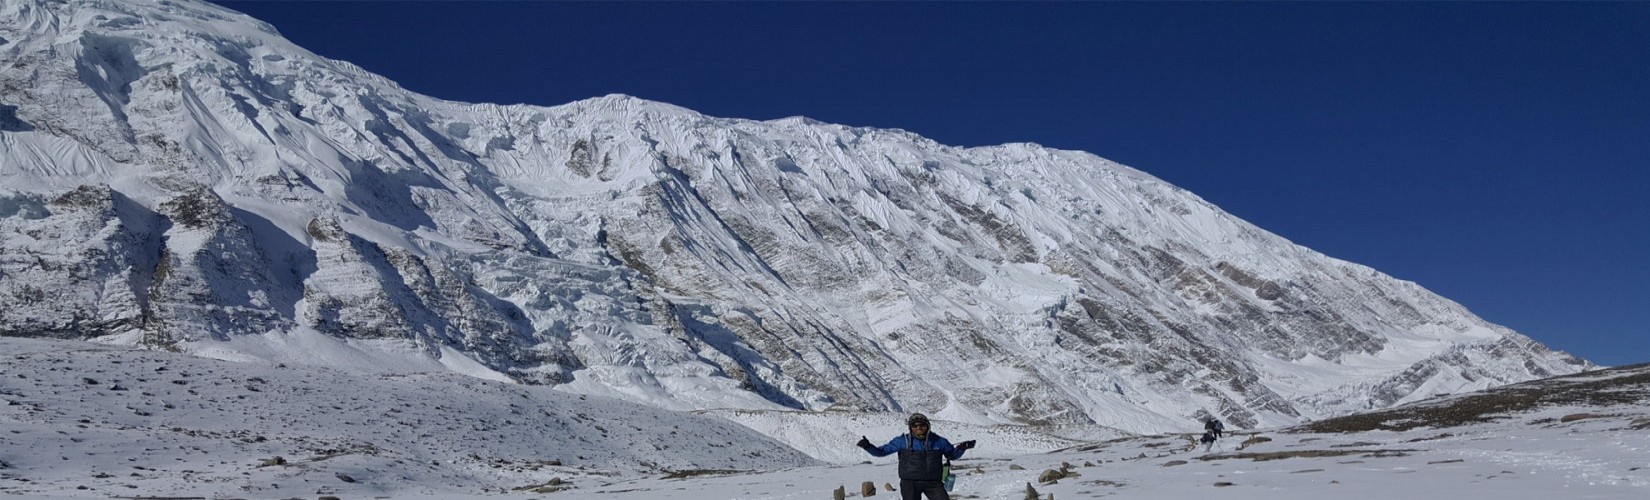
x: 89, y: 420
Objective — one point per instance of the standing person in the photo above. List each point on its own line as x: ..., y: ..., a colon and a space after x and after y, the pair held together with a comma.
x: 921, y: 459
x: 1214, y: 426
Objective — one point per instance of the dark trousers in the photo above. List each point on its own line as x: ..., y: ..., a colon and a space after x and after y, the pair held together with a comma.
x: 913, y: 490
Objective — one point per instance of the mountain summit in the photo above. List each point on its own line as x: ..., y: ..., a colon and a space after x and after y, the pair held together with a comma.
x: 175, y: 174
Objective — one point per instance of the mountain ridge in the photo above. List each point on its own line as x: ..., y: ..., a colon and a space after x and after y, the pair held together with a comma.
x: 624, y: 247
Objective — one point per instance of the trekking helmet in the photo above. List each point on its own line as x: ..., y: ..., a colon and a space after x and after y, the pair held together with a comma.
x: 916, y: 418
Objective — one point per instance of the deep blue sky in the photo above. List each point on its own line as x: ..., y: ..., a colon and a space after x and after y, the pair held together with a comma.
x: 1497, y: 154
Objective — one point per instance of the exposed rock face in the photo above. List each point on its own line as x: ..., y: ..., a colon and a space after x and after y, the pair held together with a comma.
x: 177, y: 174
x: 212, y: 279
x: 75, y: 265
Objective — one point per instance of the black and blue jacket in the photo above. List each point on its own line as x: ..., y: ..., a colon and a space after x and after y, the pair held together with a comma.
x: 919, y: 459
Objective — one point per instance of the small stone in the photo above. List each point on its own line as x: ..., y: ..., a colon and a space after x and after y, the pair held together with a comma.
x: 1050, y: 476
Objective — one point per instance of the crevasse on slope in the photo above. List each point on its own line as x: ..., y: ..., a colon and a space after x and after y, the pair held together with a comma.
x: 178, y: 175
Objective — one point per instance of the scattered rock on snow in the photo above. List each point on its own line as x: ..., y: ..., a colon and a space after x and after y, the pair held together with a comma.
x: 1253, y: 441
x: 1051, y: 476
x: 555, y: 484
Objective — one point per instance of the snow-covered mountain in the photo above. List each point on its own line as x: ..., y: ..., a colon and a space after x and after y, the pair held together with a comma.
x: 176, y: 175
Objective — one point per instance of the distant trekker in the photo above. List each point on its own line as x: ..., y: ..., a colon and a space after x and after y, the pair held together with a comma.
x: 1208, y: 440
x: 924, y: 459
x: 1213, y: 426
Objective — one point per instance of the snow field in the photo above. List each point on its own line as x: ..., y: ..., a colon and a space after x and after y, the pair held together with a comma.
x: 89, y: 420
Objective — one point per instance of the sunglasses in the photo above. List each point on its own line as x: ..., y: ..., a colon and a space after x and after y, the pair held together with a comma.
x: 920, y: 424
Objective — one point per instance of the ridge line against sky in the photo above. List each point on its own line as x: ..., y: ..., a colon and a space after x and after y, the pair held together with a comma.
x: 1497, y: 154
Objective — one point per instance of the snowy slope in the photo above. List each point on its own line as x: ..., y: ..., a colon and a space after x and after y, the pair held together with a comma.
x: 82, y: 420
x: 123, y: 421
x: 177, y: 175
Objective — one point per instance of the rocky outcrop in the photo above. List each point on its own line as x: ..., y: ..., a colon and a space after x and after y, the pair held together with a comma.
x: 75, y: 265
x: 213, y: 281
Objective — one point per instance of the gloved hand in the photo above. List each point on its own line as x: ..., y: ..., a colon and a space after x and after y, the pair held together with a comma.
x: 864, y: 443
x: 965, y: 444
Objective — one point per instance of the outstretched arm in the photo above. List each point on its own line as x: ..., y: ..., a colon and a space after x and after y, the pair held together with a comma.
x: 957, y: 451
x: 877, y: 451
